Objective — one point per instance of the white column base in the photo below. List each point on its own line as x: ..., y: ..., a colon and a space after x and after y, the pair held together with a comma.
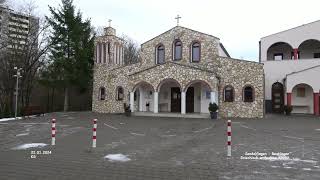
x: 141, y: 99
x: 183, y: 102
x: 155, y: 102
x: 213, y: 97
x: 132, y: 101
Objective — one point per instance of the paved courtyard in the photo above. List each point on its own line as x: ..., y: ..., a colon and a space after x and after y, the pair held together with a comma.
x: 160, y: 148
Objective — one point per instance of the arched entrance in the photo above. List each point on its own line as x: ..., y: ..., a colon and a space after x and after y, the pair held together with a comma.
x: 302, y: 99
x: 198, y: 96
x: 277, y: 97
x: 169, y: 96
x: 143, y: 97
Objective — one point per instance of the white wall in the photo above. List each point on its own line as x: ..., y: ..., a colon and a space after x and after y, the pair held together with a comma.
x: 165, y: 96
x: 143, y: 97
x: 302, y: 104
x: 310, y: 77
x: 204, y: 100
x: 277, y: 71
x: 294, y: 37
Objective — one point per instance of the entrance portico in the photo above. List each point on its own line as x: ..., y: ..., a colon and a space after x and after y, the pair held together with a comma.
x: 171, y: 97
x: 173, y: 88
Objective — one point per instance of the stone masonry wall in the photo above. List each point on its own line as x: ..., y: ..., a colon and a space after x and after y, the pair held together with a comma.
x: 111, y: 78
x: 209, y: 45
x: 184, y: 75
x: 238, y: 74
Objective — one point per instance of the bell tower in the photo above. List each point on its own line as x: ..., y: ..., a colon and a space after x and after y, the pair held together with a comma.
x: 109, y: 49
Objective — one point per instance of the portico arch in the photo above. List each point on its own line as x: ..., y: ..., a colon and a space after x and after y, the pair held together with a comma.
x: 302, y: 99
x: 141, y: 97
x: 168, y: 80
x: 196, y: 96
x: 169, y: 95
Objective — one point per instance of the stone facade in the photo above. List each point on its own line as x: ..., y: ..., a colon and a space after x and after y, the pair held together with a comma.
x: 213, y: 70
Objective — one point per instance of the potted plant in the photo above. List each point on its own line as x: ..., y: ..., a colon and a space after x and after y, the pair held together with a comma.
x: 127, y: 110
x: 213, y: 107
x: 288, y: 110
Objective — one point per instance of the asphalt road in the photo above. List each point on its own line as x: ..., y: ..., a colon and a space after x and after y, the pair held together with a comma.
x: 161, y: 148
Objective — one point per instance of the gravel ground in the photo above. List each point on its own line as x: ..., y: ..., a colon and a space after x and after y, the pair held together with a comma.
x: 160, y: 148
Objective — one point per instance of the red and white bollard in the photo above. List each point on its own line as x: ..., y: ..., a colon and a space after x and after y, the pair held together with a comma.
x: 229, y: 139
x: 94, y: 137
x: 53, y: 132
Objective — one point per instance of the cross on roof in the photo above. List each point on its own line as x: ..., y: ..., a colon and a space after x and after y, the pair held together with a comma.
x: 109, y: 22
x: 177, y: 18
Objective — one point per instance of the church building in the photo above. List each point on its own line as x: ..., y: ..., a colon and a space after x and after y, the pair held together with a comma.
x: 180, y: 71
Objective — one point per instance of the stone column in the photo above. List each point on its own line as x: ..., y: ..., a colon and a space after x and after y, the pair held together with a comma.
x: 183, y: 102
x: 122, y: 62
x: 155, y: 102
x: 98, y: 52
x: 289, y: 99
x: 114, y: 54
x: 316, y: 104
x: 107, y: 54
x: 295, y: 53
x: 103, y: 55
x: 119, y: 54
x: 132, y: 101
x: 141, y: 100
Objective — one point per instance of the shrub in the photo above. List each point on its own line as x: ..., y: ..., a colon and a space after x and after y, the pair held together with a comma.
x: 213, y: 107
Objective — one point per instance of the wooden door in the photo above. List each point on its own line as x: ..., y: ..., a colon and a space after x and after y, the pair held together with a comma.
x: 175, y: 99
x: 190, y: 100
x: 277, y: 98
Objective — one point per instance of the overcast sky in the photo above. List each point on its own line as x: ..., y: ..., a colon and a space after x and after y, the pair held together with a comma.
x: 238, y: 23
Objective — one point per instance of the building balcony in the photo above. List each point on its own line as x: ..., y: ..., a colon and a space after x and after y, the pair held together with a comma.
x: 309, y: 49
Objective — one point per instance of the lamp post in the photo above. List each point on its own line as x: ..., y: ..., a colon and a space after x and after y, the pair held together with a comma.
x: 17, y: 89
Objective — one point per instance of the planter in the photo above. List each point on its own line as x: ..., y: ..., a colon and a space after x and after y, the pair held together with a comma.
x: 287, y: 110
x: 127, y: 113
x: 214, y: 115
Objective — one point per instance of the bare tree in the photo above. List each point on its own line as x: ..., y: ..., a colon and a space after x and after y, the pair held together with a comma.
x: 131, y: 50
x: 99, y: 31
x: 24, y: 45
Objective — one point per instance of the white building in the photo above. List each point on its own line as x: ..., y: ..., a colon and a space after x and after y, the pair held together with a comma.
x: 291, y: 61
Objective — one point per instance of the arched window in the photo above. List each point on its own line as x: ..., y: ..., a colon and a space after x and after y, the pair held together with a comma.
x: 177, y: 51
x: 102, y: 93
x: 160, y: 54
x: 248, y: 94
x: 120, y: 94
x: 195, y: 52
x: 228, y: 94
